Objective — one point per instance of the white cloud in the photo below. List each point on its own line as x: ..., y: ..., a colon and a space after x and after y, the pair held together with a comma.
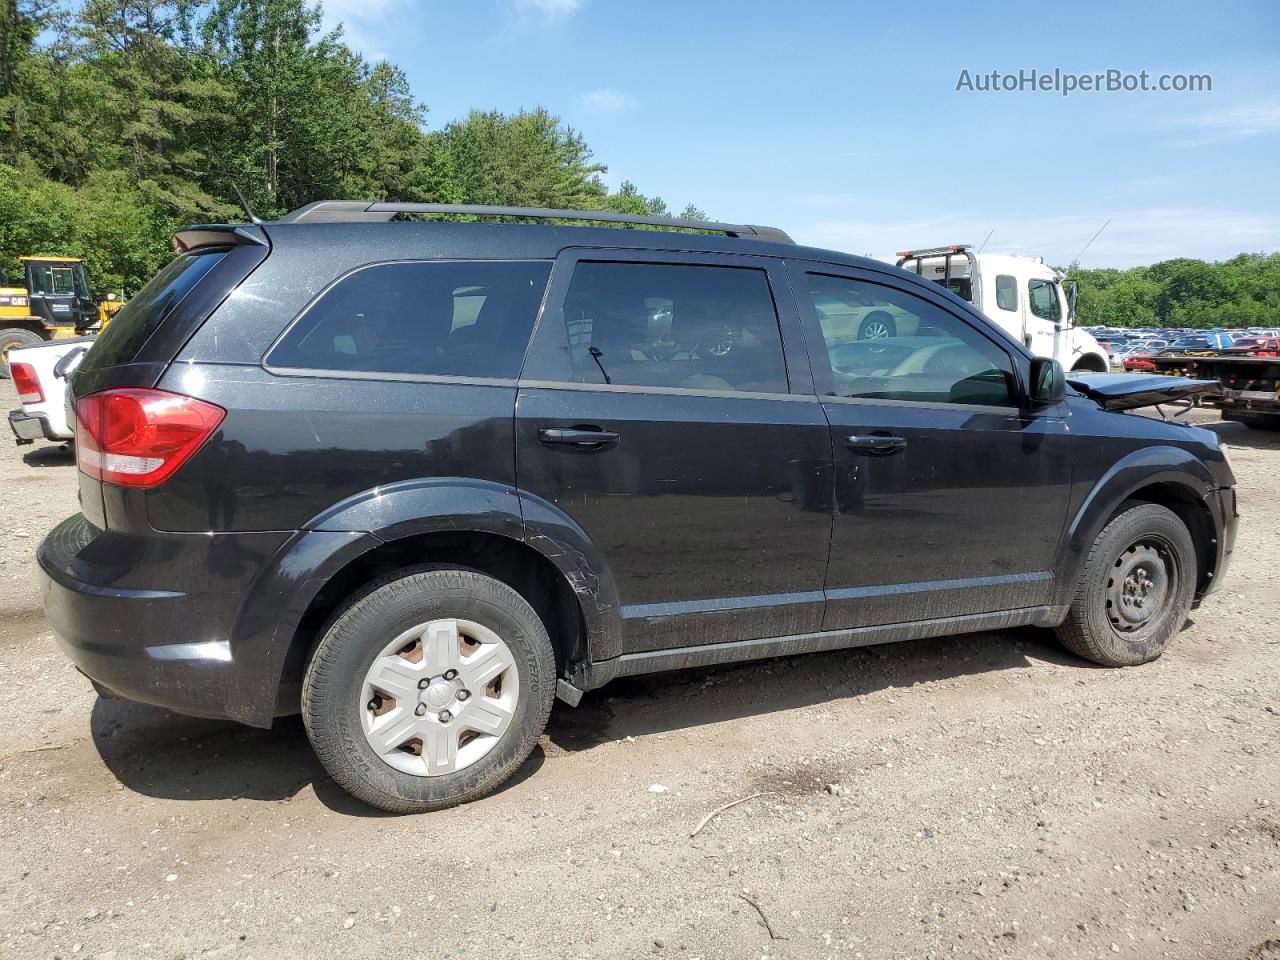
x: 608, y: 100
x: 550, y: 10
x: 368, y: 26
x: 1229, y: 123
x: 1133, y: 238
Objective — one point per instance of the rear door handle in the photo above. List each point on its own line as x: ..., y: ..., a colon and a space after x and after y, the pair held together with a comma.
x: 876, y: 445
x: 577, y: 437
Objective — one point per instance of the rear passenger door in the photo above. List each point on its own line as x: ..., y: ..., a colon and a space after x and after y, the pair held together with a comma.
x: 667, y: 408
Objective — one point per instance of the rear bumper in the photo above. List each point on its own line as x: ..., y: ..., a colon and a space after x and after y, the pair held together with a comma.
x: 169, y: 644
x: 27, y: 427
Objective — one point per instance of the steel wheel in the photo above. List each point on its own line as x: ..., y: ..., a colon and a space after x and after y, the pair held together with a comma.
x: 1134, y: 589
x: 439, y: 697
x: 1141, y: 581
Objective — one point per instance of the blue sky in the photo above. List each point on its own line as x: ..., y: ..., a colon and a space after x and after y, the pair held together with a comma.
x: 841, y: 123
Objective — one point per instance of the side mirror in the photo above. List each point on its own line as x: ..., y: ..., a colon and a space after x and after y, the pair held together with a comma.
x: 1072, y: 290
x: 65, y: 367
x: 1048, y: 382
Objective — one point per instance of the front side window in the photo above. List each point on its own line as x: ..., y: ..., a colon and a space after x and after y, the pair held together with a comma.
x: 464, y: 319
x: 704, y: 328
x: 1042, y: 296
x: 1006, y: 292
x: 932, y: 356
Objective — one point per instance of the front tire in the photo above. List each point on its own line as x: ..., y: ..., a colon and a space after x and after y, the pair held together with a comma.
x: 1135, y: 588
x: 429, y: 689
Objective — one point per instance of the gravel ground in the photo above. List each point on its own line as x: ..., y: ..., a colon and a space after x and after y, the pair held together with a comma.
x: 985, y: 796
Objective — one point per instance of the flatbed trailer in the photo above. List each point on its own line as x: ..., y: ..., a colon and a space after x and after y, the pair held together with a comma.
x: 1250, y: 385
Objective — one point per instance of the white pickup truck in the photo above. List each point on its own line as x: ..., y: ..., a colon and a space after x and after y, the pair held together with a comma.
x: 40, y: 374
x: 1020, y: 294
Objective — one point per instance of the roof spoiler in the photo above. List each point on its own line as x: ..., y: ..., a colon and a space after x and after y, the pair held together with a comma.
x: 363, y: 211
x: 208, y: 234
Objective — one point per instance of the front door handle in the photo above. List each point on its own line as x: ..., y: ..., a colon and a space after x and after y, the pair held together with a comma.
x: 879, y: 445
x: 577, y: 437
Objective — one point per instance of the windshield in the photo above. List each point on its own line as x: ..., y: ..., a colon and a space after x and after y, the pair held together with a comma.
x: 58, y: 280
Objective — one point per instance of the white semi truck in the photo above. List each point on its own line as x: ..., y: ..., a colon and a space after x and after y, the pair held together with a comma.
x: 1021, y: 294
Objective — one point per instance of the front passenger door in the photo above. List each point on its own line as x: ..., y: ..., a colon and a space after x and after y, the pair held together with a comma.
x: 950, y: 498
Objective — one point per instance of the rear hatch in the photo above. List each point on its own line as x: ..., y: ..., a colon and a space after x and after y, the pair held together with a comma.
x: 148, y: 332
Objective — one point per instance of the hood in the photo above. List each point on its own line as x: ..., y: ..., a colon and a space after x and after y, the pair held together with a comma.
x: 1128, y: 391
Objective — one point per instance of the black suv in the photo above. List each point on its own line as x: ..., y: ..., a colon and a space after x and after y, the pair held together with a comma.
x: 414, y: 478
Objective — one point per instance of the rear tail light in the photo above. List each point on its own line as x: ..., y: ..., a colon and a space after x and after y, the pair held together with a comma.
x: 28, y: 384
x: 139, y: 438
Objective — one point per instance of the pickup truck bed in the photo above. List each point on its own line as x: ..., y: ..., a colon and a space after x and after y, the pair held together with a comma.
x: 44, y: 415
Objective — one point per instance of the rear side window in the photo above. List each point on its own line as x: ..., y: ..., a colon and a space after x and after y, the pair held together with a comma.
x: 465, y: 319
x: 1006, y: 292
x: 690, y: 327
x: 145, y: 312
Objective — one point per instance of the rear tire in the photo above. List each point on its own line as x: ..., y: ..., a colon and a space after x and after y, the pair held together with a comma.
x: 11, y: 337
x: 387, y: 741
x: 1259, y: 421
x: 1135, y: 588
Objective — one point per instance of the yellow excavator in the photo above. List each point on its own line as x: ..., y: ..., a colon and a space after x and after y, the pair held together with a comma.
x: 53, y: 302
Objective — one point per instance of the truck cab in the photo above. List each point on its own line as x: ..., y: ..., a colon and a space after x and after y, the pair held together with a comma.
x: 1020, y: 294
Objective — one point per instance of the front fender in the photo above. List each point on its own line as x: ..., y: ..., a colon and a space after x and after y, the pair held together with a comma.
x: 1141, y: 468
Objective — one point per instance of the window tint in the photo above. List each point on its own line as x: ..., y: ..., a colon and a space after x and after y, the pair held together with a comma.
x: 1006, y: 292
x: 1042, y: 296
x: 929, y: 355
x: 144, y: 313
x: 467, y: 319
x: 668, y: 325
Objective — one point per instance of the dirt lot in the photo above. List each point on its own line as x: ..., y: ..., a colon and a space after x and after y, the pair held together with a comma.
x: 977, y: 797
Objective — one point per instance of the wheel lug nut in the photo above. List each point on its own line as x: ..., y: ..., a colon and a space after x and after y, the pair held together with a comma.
x: 450, y: 674
x: 420, y: 709
x: 463, y: 694
x: 424, y: 683
x: 445, y: 716
x: 373, y: 705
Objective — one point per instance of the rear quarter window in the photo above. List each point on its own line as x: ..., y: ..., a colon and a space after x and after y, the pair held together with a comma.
x: 454, y: 318
x: 144, y: 313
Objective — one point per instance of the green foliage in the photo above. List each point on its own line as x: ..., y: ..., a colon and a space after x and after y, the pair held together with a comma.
x: 1241, y: 292
x: 122, y: 119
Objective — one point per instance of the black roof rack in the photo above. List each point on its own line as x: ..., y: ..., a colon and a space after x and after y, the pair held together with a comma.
x: 362, y: 211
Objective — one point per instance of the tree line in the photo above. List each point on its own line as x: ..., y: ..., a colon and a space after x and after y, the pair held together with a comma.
x: 121, y: 120
x: 1241, y: 292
